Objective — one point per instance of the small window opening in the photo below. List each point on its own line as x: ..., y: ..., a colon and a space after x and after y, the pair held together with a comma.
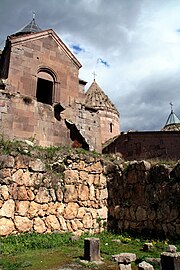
x: 111, y: 127
x: 44, y: 91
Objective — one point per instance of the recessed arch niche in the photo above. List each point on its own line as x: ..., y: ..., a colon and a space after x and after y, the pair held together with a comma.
x: 45, y: 89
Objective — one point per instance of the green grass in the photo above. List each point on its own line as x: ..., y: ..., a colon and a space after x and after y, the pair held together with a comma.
x: 50, y: 251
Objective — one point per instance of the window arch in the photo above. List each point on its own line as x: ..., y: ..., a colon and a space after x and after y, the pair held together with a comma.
x: 45, y: 90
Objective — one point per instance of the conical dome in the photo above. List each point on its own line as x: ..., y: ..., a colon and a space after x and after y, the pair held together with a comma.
x: 30, y: 28
x: 97, y: 99
x: 172, y: 123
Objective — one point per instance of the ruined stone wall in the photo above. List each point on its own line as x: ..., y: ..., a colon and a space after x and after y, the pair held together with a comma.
x: 33, y: 199
x: 22, y: 117
x: 87, y: 193
x: 145, y: 198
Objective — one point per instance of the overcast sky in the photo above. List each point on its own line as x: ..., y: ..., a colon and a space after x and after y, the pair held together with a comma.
x: 132, y: 45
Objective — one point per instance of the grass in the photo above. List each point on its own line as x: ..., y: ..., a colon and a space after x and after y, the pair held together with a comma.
x: 50, y: 251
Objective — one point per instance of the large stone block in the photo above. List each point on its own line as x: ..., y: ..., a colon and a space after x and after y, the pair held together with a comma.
x: 92, y: 249
x: 124, y: 258
x: 23, y: 224
x: 71, y: 210
x: 145, y: 266
x: 70, y: 193
x: 7, y: 209
x: 170, y: 261
x: 6, y: 161
x: 6, y: 226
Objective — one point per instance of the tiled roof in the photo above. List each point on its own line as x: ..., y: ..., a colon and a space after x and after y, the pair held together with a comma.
x: 31, y: 27
x: 97, y: 99
x: 172, y: 123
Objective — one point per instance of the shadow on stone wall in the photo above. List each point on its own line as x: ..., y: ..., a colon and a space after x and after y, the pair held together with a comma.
x: 145, y: 198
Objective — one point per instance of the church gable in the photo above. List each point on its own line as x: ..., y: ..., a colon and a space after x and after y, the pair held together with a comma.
x: 43, y: 52
x: 49, y: 41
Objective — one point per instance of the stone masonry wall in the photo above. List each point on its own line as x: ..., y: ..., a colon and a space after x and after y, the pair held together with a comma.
x: 145, y: 198
x: 33, y: 199
x: 86, y: 193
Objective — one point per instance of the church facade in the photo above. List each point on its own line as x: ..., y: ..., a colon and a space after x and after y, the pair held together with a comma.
x: 43, y: 99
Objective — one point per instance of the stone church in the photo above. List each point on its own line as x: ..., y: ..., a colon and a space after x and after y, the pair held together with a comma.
x: 43, y: 99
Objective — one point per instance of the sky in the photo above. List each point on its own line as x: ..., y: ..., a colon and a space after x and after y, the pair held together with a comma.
x: 133, y: 46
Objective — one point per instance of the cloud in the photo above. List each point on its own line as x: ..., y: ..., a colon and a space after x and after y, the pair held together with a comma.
x: 76, y: 48
x: 103, y: 62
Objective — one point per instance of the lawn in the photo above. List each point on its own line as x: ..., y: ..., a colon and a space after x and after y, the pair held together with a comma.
x: 53, y: 251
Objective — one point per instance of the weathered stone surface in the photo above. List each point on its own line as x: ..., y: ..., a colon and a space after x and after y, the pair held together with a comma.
x: 62, y: 223
x: 52, y: 194
x: 170, y: 261
x: 124, y: 258
x: 74, y: 225
x: 17, y: 177
x: 43, y: 195
x: 37, y: 165
x: 23, y: 224
x: 22, y: 207
x: 103, y: 194
x: 7, y: 209
x: 92, y: 249
x: 13, y: 190
x: 21, y: 162
x: 71, y: 176
x: 102, y: 212
x: 5, y: 173
x: 83, y: 175
x: 6, y: 161
x: 83, y: 192
x: 60, y: 208
x: 147, y: 246
x: 22, y: 193
x: 91, y: 193
x: 71, y: 210
x: 6, y: 226
x: 81, y: 212
x: 145, y: 266
x: 59, y: 194
x: 102, y: 180
x: 171, y: 248
x: 39, y: 225
x: 96, y: 167
x: 141, y: 214
x: 30, y: 195
x: 124, y: 266
x: 4, y: 192
x: 87, y: 221
x: 70, y: 193
x: 27, y: 179
x: 52, y: 223
x: 33, y: 209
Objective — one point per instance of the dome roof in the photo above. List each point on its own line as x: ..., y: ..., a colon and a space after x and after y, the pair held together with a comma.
x: 30, y: 28
x: 97, y: 99
x: 172, y: 123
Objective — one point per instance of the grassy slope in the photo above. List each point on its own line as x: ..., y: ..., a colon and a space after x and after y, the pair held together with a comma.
x: 50, y: 251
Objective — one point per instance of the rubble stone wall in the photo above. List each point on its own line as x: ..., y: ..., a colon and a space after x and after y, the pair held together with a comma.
x: 88, y: 194
x: 33, y: 199
x: 145, y: 198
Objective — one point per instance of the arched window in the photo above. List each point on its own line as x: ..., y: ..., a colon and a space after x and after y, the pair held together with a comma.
x: 45, y: 86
